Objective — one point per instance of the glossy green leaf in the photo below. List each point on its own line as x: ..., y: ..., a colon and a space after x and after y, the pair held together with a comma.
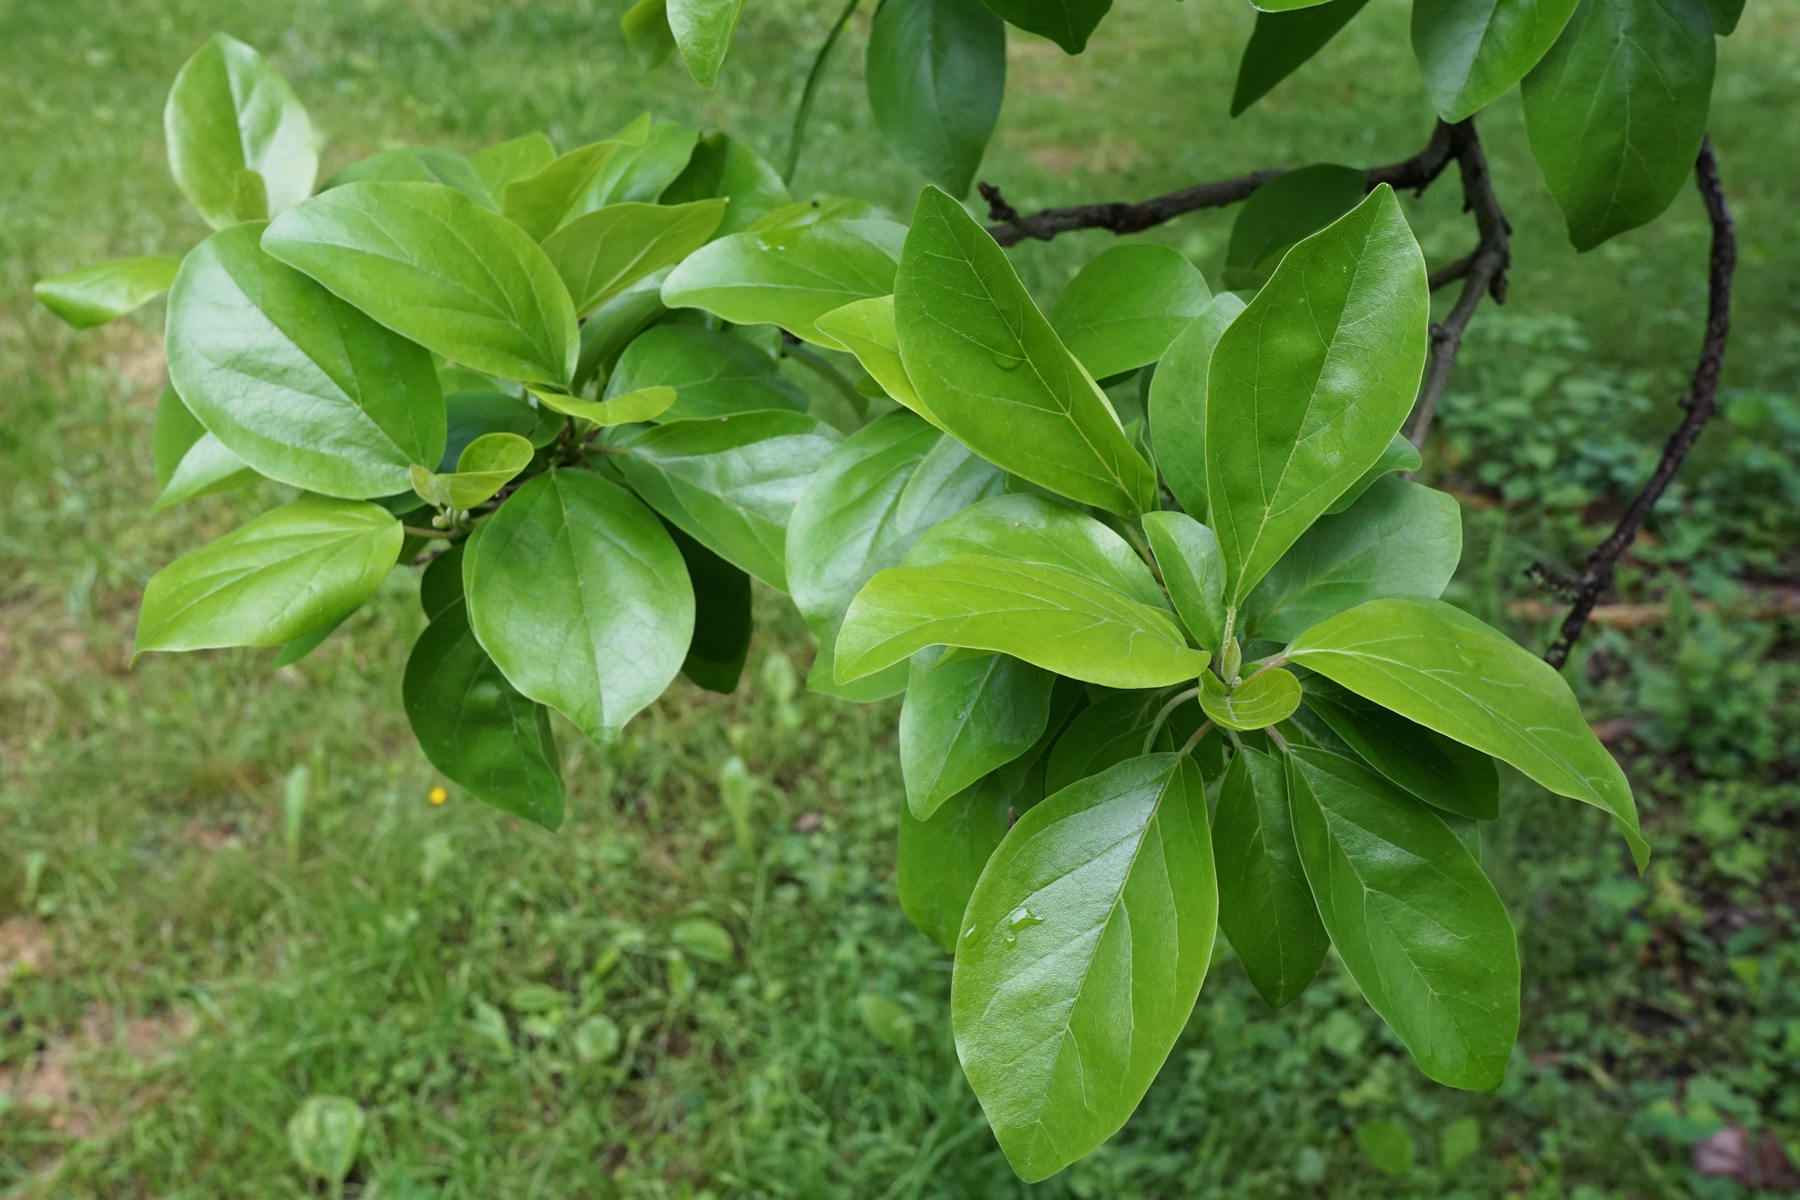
x: 470, y: 415
x: 1281, y: 44
x: 1266, y: 907
x: 1292, y: 206
x: 1065, y: 22
x: 418, y: 164
x: 1059, y: 619
x: 1471, y: 54
x: 298, y: 649
x: 603, y: 253
x: 1451, y: 673
x: 173, y: 434
x: 541, y: 202
x: 486, y: 465
x: 1285, y: 5
x: 441, y: 582
x: 730, y: 483
x: 802, y: 213
x: 230, y: 112
x: 1187, y: 553
x: 866, y: 329
x: 1616, y: 111
x: 297, y: 383
x: 1311, y: 382
x: 940, y: 859
x: 862, y: 511
x: 645, y: 28
x: 477, y: 728
x: 429, y: 264
x: 1420, y: 928
x: 1034, y: 529
x: 1114, y: 728
x: 580, y: 596
x: 627, y: 408
x: 723, y: 621
x: 965, y: 718
x: 1400, y: 539
x: 993, y: 372
x: 789, y: 277
x: 1266, y: 698
x: 95, y: 295
x: 644, y: 167
x: 1400, y: 456
x: 1083, y: 950
x: 1123, y: 309
x: 1177, y: 403
x: 936, y: 74
x: 207, y: 467
x: 609, y: 329
x: 1725, y: 15
x: 1438, y: 770
x: 272, y: 580
x: 726, y: 169
x: 713, y: 374
x: 703, y: 30
x: 502, y: 163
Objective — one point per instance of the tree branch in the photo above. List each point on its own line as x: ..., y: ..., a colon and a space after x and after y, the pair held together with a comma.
x: 1416, y: 173
x: 1701, y: 402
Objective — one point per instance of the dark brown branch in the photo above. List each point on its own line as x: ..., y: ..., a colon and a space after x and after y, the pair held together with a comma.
x: 1482, y: 272
x: 1701, y: 402
x: 1416, y: 173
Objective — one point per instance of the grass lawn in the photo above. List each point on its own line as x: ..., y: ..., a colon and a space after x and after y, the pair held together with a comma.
x: 223, y: 887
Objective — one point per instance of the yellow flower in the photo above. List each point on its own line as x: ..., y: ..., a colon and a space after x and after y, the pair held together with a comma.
x: 437, y: 795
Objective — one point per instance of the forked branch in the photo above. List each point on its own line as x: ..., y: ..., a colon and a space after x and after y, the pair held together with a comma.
x: 1701, y: 402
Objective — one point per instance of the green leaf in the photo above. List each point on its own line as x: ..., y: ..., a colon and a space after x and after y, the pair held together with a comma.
x: 1281, y: 44
x: 297, y: 383
x: 1725, y: 15
x: 474, y: 414
x: 789, y: 277
x: 1065, y: 22
x: 992, y: 371
x: 802, y: 213
x: 1114, y: 728
x: 941, y: 858
x: 1387, y: 1145
x: 866, y: 329
x: 713, y: 374
x: 936, y: 74
x: 477, y: 728
x: 441, y: 582
x: 95, y: 295
x: 1400, y: 539
x: 430, y: 265
x: 296, y: 650
x: 863, y: 509
x: 1438, y: 770
x: 1266, y: 698
x: 486, y: 465
x: 502, y: 163
x: 173, y: 434
x: 1059, y: 619
x: 609, y: 329
x: 730, y: 483
x: 1266, y: 907
x: 723, y: 621
x: 272, y: 580
x: 628, y: 408
x: 1187, y: 553
x: 643, y: 167
x: 1400, y: 455
x: 1034, y: 529
x: 1616, y: 111
x: 1308, y: 386
x: 700, y: 938
x: 323, y: 1136
x: 1124, y: 308
x: 1418, y: 925
x: 1461, y: 1139
x: 206, y: 468
x: 1451, y: 673
x: 1285, y: 5
x: 1292, y: 206
x: 703, y: 30
x: 580, y: 596
x: 230, y: 111
x: 1471, y: 54
x: 541, y: 202
x: 1177, y: 403
x: 1083, y: 950
x: 603, y: 253
x: 418, y: 164
x: 965, y: 718
x: 730, y: 171
x: 645, y: 28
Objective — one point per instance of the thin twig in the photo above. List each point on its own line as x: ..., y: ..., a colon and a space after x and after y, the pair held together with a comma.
x: 1701, y: 402
x: 1482, y: 273
x: 1416, y: 173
